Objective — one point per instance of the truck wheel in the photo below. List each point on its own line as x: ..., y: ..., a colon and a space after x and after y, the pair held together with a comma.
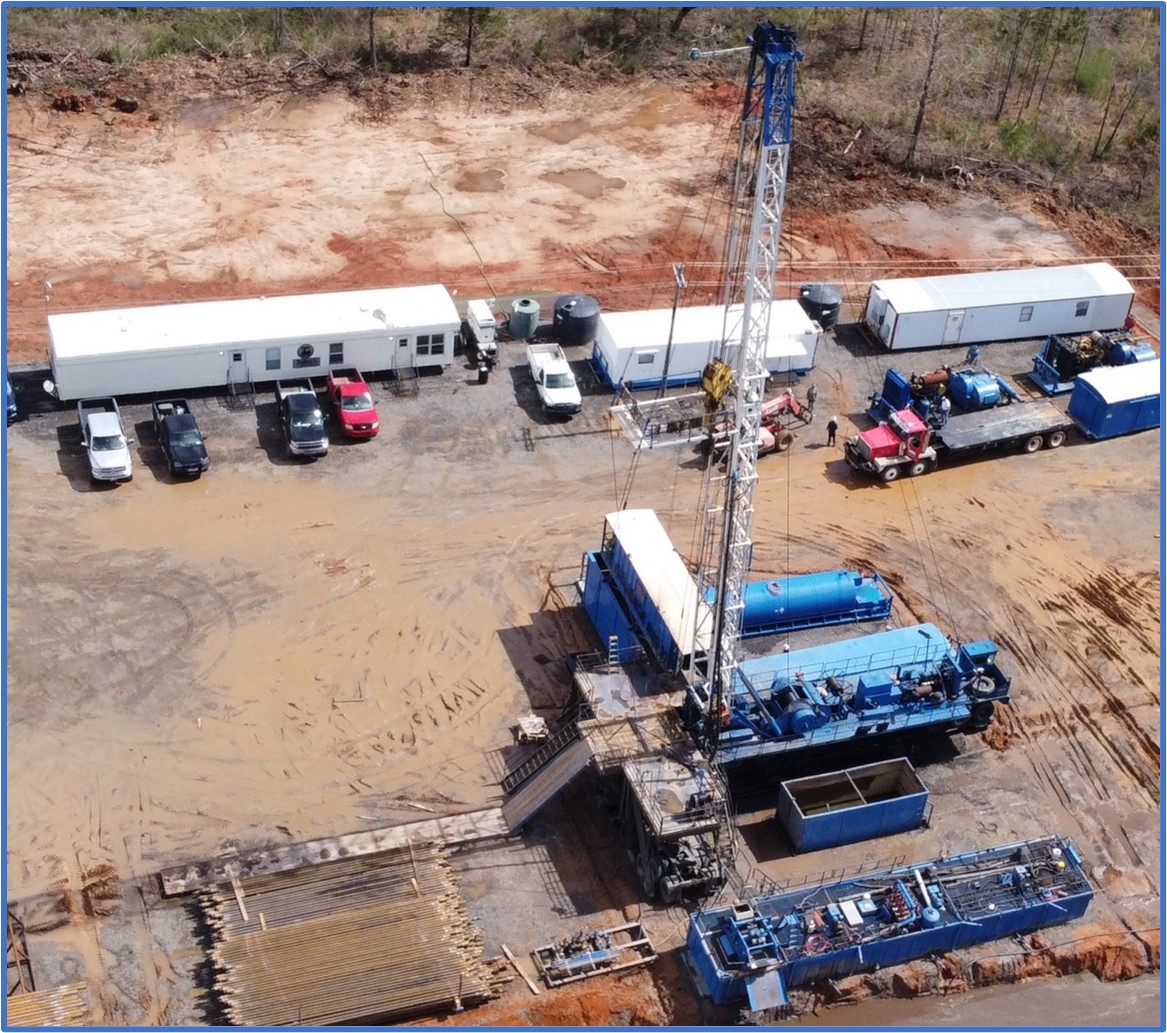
x: 1033, y: 444
x: 889, y: 474
x: 917, y: 468
x: 1056, y: 439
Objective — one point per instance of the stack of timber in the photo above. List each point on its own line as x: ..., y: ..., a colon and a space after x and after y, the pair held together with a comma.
x: 66, y: 1005
x: 367, y: 939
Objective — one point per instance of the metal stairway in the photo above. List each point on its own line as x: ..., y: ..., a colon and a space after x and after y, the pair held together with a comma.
x: 543, y: 775
x: 556, y: 742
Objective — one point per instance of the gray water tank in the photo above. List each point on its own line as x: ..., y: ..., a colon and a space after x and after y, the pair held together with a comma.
x: 821, y: 302
x: 577, y: 316
x: 524, y: 319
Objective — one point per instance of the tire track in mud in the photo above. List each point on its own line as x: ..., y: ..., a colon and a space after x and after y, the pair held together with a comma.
x: 1095, y: 615
x: 1134, y: 752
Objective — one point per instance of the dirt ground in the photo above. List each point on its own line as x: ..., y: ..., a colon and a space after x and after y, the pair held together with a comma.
x: 279, y: 651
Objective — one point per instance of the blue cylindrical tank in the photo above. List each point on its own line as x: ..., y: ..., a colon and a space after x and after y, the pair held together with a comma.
x: 972, y: 391
x: 795, y: 599
x: 929, y: 918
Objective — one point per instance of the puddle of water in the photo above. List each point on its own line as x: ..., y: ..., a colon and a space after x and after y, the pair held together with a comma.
x: 585, y: 181
x: 487, y: 181
x: 562, y: 132
x: 650, y: 114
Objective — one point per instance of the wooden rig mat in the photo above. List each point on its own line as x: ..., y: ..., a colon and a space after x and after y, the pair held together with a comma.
x: 361, y: 939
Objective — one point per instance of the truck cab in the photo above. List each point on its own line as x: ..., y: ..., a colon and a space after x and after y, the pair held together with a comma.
x: 301, y: 419
x: 353, y: 403
x: 105, y: 442
x: 10, y: 401
x: 179, y: 437
x: 554, y: 379
x: 902, y: 445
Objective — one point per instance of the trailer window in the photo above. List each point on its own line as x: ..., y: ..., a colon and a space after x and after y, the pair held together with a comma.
x: 1026, y: 313
x: 403, y: 342
x: 335, y: 353
x: 423, y: 344
x: 1082, y: 309
x: 271, y: 358
x: 437, y: 344
x: 645, y: 358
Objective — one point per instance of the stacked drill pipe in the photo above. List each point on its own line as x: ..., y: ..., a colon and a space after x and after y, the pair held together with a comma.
x: 66, y: 1005
x: 370, y: 938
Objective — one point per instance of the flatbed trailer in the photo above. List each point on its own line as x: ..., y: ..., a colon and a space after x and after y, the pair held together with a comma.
x: 1030, y: 425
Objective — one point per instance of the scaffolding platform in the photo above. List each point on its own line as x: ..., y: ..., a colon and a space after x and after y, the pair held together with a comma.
x: 678, y: 795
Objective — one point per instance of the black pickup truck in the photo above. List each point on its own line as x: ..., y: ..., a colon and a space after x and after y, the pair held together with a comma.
x: 181, y: 440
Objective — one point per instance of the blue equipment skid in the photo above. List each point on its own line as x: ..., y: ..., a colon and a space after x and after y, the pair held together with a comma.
x: 808, y: 934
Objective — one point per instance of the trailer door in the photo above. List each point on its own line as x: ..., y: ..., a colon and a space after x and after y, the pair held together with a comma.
x: 237, y: 370
x: 953, y: 326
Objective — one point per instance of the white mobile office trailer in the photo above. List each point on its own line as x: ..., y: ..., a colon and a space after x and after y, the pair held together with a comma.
x: 630, y: 347
x: 225, y: 344
x: 976, y: 308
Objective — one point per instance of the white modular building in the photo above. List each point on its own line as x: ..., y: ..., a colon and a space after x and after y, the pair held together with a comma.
x: 978, y: 308
x: 225, y: 344
x: 630, y: 347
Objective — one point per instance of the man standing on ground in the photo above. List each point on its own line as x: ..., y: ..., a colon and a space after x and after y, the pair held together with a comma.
x: 811, y: 394
x: 832, y: 428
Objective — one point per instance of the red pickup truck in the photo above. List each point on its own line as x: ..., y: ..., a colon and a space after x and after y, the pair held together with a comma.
x: 354, y: 406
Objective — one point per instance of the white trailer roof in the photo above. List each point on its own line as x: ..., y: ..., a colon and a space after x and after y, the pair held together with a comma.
x: 1004, y: 287
x: 701, y: 324
x: 248, y: 320
x: 1125, y: 383
x: 665, y: 577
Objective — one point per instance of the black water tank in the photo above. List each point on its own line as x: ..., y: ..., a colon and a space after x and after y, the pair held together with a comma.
x: 821, y: 302
x: 576, y: 318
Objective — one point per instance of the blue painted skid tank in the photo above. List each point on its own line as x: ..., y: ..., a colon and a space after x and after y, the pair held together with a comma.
x: 812, y: 600
x: 755, y: 951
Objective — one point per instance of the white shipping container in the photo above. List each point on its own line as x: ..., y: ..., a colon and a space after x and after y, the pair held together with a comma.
x: 977, y: 308
x: 630, y: 347
x: 221, y: 344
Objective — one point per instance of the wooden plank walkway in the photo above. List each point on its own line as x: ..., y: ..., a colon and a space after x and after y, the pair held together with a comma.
x: 451, y: 830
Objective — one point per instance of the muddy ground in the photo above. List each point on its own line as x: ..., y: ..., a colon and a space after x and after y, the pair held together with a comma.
x: 281, y: 651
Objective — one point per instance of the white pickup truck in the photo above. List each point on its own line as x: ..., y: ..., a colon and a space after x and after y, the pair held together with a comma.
x: 104, y: 440
x: 558, y: 390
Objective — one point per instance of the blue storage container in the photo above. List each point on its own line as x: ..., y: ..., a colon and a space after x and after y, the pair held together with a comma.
x: 1117, y: 400
x: 848, y: 806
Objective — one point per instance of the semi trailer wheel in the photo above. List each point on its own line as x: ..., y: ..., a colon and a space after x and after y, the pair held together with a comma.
x: 1033, y: 444
x: 1056, y: 439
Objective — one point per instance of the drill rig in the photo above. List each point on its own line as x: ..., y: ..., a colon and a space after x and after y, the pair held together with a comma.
x: 740, y: 374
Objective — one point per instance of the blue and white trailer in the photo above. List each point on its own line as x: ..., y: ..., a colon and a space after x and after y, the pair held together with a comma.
x: 754, y: 952
x: 640, y: 595
x: 640, y: 349
x: 1117, y: 400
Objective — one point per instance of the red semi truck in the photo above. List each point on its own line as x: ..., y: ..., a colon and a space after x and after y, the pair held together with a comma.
x: 906, y: 445
x: 353, y: 402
